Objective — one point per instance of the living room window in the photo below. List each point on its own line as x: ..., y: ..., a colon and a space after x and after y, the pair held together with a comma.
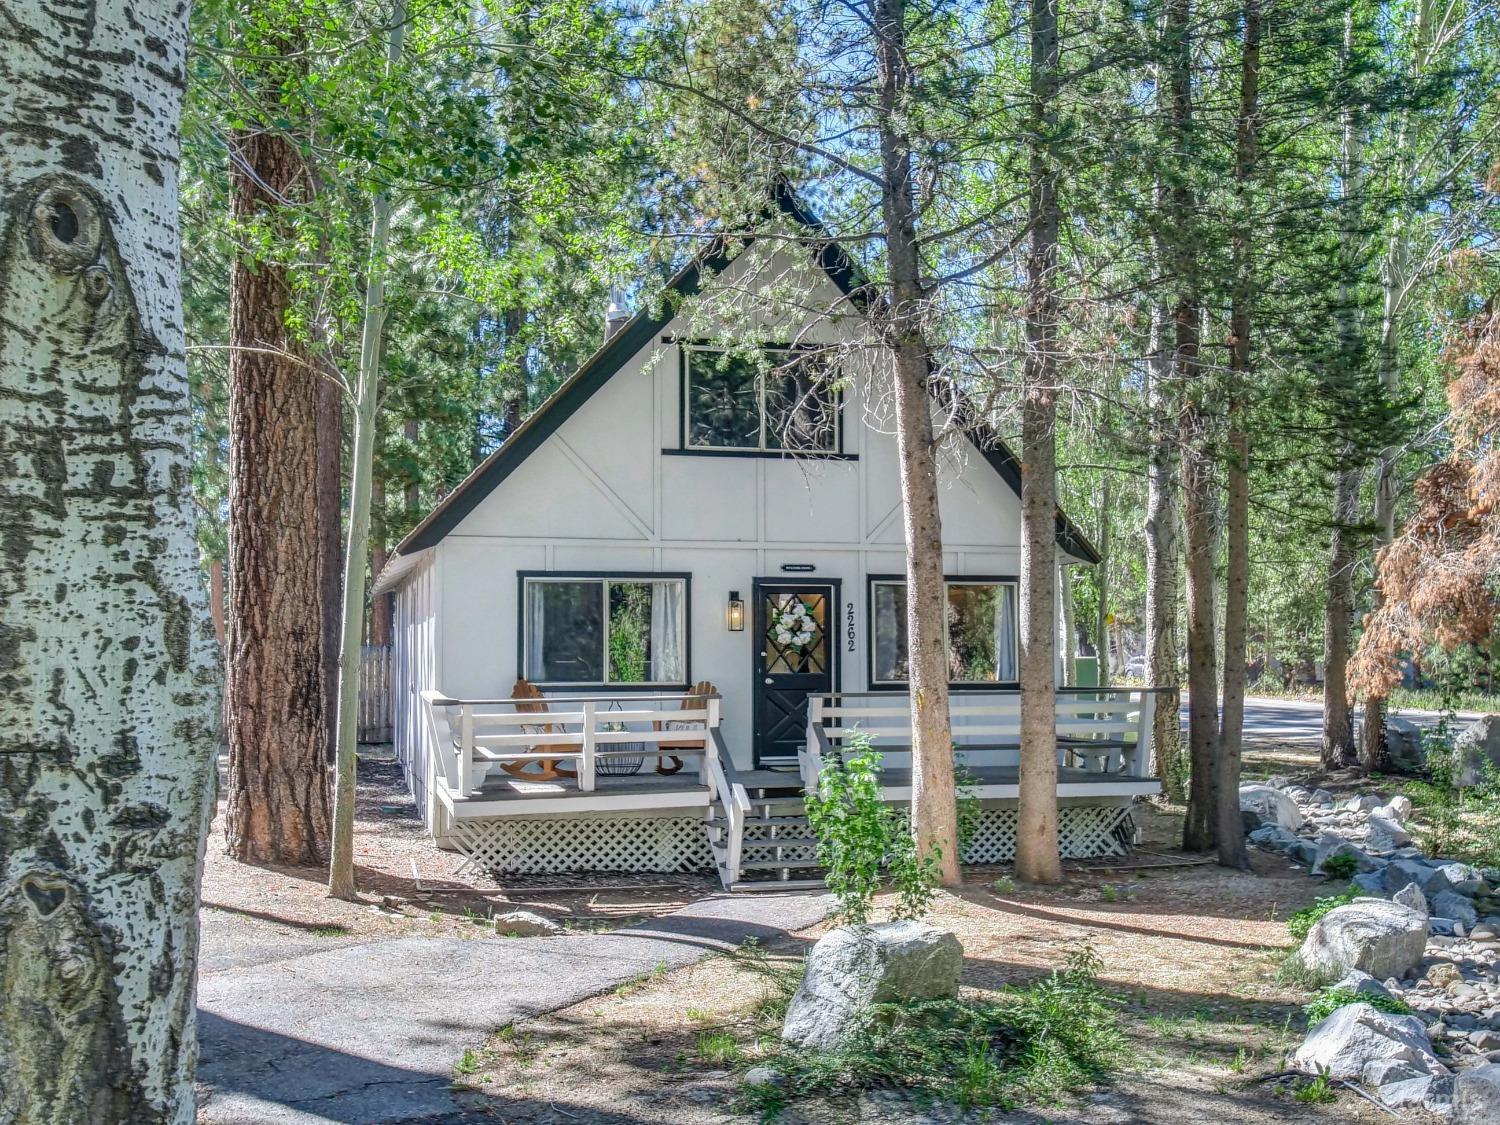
x: 980, y: 622
x: 626, y: 629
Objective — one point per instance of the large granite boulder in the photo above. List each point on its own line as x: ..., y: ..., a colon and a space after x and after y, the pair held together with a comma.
x: 1381, y: 938
x: 1403, y: 745
x: 1261, y: 805
x: 1478, y: 749
x: 853, y: 967
x: 1274, y: 838
x: 1356, y: 1035
x: 1476, y: 1096
x: 1447, y: 904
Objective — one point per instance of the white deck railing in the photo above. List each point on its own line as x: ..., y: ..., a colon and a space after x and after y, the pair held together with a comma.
x: 1099, y: 730
x: 473, y: 735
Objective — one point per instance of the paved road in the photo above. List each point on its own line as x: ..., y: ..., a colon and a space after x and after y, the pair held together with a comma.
x: 1300, y: 721
x: 368, y: 1032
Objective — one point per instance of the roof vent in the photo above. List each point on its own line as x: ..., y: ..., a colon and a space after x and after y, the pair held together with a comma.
x: 617, y: 314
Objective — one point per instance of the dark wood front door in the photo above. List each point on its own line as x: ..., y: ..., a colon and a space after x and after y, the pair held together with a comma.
x: 794, y: 657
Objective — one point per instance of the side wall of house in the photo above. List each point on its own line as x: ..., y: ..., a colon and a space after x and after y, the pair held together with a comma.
x: 414, y: 659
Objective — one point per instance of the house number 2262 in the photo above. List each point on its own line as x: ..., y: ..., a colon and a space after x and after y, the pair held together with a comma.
x: 849, y: 625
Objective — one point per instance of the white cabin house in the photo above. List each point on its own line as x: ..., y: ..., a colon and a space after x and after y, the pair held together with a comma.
x: 705, y: 614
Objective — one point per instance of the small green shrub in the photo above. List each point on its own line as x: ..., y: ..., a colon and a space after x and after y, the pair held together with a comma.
x: 718, y: 1048
x: 1303, y: 920
x: 1032, y: 1044
x: 1315, y: 1091
x: 1330, y: 1000
x: 1341, y: 866
x: 858, y: 835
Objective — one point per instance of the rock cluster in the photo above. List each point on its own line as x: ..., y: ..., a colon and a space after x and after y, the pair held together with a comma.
x: 1426, y: 931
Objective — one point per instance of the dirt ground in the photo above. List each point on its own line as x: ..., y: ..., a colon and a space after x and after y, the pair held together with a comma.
x: 409, y: 887
x: 1190, y: 951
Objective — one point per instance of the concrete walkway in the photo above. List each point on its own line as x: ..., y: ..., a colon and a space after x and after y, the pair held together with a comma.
x: 367, y: 1033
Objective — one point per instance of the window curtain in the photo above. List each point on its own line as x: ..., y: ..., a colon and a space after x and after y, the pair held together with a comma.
x: 536, y: 621
x: 666, y: 633
x: 1005, y: 635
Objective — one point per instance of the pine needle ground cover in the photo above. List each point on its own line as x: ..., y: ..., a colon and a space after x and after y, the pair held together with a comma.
x: 1186, y: 977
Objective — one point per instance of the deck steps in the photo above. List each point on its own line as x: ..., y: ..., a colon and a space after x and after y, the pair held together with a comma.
x: 777, y: 821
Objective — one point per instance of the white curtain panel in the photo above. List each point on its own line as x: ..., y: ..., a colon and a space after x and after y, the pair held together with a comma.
x: 536, y: 620
x: 1005, y: 635
x: 666, y: 633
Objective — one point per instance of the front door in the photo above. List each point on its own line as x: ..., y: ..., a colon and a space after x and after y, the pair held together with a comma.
x: 794, y: 658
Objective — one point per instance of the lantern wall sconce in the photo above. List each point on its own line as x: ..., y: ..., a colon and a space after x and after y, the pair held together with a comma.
x: 736, y: 612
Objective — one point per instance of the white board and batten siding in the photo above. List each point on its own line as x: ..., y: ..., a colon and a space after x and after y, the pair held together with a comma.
x: 414, y: 669
x: 600, y: 495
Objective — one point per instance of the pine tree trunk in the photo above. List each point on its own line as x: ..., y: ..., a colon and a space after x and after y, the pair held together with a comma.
x: 1038, y: 855
x: 1231, y: 835
x: 108, y: 681
x: 934, y: 809
x: 1197, y: 471
x: 1101, y: 572
x: 1338, y: 623
x: 380, y: 608
x: 1163, y: 545
x: 1069, y: 627
x: 330, y: 424
x: 277, y: 726
x: 1343, y: 549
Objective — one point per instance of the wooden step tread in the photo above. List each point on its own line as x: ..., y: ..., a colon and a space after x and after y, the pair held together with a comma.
x: 778, y: 864
x: 778, y: 885
x: 781, y: 842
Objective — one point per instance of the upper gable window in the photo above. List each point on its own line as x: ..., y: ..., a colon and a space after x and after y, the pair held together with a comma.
x: 780, y: 400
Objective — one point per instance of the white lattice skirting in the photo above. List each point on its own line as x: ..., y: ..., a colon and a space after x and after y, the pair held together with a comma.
x: 556, y: 845
x: 513, y: 846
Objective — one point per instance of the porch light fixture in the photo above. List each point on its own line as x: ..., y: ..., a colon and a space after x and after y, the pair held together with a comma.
x: 736, y: 612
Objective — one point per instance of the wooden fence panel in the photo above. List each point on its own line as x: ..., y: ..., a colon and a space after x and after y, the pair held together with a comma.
x: 375, y: 693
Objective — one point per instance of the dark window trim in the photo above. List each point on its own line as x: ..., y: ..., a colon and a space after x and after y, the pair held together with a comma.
x: 683, y: 345
x: 686, y: 577
x: 763, y: 454
x: 948, y: 580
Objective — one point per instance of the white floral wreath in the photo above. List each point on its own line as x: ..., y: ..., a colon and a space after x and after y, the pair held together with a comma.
x: 794, y: 627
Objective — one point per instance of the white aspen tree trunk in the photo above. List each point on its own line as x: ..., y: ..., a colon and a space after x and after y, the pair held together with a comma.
x: 356, y: 552
x: 1163, y: 548
x: 1038, y: 856
x: 934, y: 808
x: 108, y: 681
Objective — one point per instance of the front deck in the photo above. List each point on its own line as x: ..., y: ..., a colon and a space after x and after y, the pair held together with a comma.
x: 591, y: 810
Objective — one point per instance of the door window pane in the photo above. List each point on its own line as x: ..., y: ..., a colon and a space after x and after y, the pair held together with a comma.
x: 890, y: 631
x: 565, y: 632
x: 796, y: 637
x: 723, y: 400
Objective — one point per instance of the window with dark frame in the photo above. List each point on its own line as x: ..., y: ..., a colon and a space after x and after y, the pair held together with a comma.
x: 980, y: 622
x: 779, y: 400
x: 604, y: 630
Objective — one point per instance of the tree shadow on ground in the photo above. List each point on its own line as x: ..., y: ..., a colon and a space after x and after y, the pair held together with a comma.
x: 248, y: 1074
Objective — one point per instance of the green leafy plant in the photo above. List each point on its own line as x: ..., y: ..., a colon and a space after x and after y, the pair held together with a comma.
x: 1032, y: 1044
x: 859, y: 835
x: 1341, y: 866
x: 1315, y: 1091
x: 1329, y: 1000
x: 1303, y: 920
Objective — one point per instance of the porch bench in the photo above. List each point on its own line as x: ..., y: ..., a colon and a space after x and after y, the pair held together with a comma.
x: 1104, y: 731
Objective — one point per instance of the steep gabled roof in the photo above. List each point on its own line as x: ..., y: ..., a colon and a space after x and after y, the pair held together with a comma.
x: 641, y: 330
